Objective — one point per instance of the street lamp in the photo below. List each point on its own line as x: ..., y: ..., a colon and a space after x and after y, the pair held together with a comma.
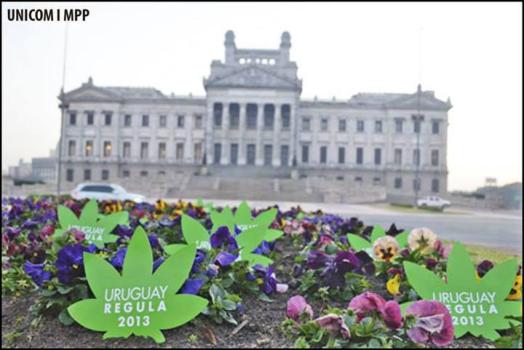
x: 63, y: 106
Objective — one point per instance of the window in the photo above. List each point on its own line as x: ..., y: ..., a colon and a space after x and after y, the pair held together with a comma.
x: 360, y: 155
x: 269, y: 116
x: 198, y: 121
x: 399, y: 124
x: 144, y: 150
x: 378, y: 156
x: 341, y: 155
x: 435, y: 127
x: 89, y: 148
x: 143, y: 173
x: 107, y: 118
x: 105, y: 174
x: 284, y: 155
x: 342, y: 125
x: 251, y: 154
x: 268, y: 155
x: 71, y: 149
x: 251, y: 111
x: 107, y: 148
x: 234, y: 115
x: 416, y: 126
x: 126, y: 150
x: 305, y: 153
x: 126, y: 173
x: 72, y: 118
x: 127, y: 120
x: 306, y: 123
x: 416, y: 184
x: 87, y: 174
x: 398, y: 156
x: 398, y: 182
x: 180, y: 121
x: 416, y: 157
x: 179, y: 151
x: 360, y: 126
x: 376, y: 181
x: 217, y: 115
x: 70, y: 175
x: 233, y: 154
x: 198, y: 152
x: 358, y: 179
x: 323, y: 154
x: 435, y: 186
x: 145, y: 120
x: 285, y: 112
x: 217, y: 153
x: 378, y: 126
x: 90, y: 118
x: 324, y: 124
x: 162, y: 121
x: 161, y: 173
x: 162, y: 150
x: 434, y: 157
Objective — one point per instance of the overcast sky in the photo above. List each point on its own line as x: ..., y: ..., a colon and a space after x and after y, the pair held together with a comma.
x: 470, y: 52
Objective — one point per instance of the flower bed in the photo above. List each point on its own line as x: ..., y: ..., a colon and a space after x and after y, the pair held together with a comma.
x: 333, y: 282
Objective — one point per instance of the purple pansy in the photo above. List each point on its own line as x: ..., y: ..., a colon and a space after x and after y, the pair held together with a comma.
x: 391, y: 314
x: 484, y: 267
x: 37, y: 272
x: 365, y: 303
x: 153, y: 240
x: 118, y: 259
x: 157, y: 263
x: 70, y: 261
x: 225, y: 259
x: 296, y: 306
x: 334, y: 324
x: 192, y: 286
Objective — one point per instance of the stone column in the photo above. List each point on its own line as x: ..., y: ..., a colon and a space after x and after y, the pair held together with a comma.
x: 241, y: 133
x: 259, y: 158
x: 276, y: 136
x: 208, y: 150
x: 189, y: 126
x: 224, y: 159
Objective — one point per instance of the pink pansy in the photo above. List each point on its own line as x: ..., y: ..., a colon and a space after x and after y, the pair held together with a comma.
x: 296, y: 306
x: 365, y: 303
x: 433, y: 323
x: 391, y: 314
x: 442, y: 249
x: 334, y: 324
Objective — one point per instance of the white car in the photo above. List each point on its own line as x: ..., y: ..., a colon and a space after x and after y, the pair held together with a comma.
x: 433, y: 202
x: 101, y: 191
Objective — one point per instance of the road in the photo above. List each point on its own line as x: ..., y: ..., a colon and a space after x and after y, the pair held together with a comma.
x: 496, y: 230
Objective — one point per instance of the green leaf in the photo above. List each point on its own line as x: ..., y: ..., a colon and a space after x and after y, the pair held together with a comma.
x: 250, y: 238
x: 501, y: 278
x: 460, y: 267
x: 378, y: 232
x: 177, y: 267
x: 89, y: 212
x: 358, y: 243
x: 422, y: 280
x: 139, y: 256
x: 101, y: 275
x: 266, y: 217
x: 64, y: 318
x: 173, y: 248
x: 272, y: 235
x: 194, y: 232
x: 66, y: 217
x: 255, y: 259
x: 402, y: 239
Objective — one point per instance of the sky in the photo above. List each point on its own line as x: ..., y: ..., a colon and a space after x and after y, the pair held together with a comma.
x: 470, y: 52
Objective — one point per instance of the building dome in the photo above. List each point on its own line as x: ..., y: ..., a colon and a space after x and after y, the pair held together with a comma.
x: 230, y: 38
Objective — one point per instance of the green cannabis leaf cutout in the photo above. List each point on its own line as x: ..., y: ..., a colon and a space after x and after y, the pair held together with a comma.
x: 97, y: 228
x: 247, y: 241
x: 138, y: 301
x: 477, y: 307
x: 208, y: 207
x: 243, y: 220
x: 358, y: 243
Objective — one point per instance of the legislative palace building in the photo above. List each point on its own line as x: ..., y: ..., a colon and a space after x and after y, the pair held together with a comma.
x: 253, y: 122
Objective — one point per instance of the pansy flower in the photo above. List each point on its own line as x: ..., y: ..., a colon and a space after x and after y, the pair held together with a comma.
x: 433, y: 323
x: 422, y: 240
x: 192, y: 286
x: 516, y: 291
x: 70, y: 261
x: 393, y: 285
x: 296, y: 306
x: 334, y: 324
x: 118, y: 259
x: 385, y: 248
x: 37, y: 273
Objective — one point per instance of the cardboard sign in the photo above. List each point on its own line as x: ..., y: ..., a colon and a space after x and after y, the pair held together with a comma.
x: 96, y: 227
x: 138, y: 301
x: 476, y: 306
x: 247, y: 241
x: 358, y: 243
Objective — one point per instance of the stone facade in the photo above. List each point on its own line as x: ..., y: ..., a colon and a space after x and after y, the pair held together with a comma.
x: 253, y: 123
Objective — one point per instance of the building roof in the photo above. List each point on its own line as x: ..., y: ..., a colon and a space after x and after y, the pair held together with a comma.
x: 134, y: 92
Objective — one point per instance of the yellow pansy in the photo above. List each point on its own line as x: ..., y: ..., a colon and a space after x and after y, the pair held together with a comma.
x: 393, y: 285
x: 516, y: 290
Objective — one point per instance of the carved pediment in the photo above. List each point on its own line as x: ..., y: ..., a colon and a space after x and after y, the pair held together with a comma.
x: 252, y: 77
